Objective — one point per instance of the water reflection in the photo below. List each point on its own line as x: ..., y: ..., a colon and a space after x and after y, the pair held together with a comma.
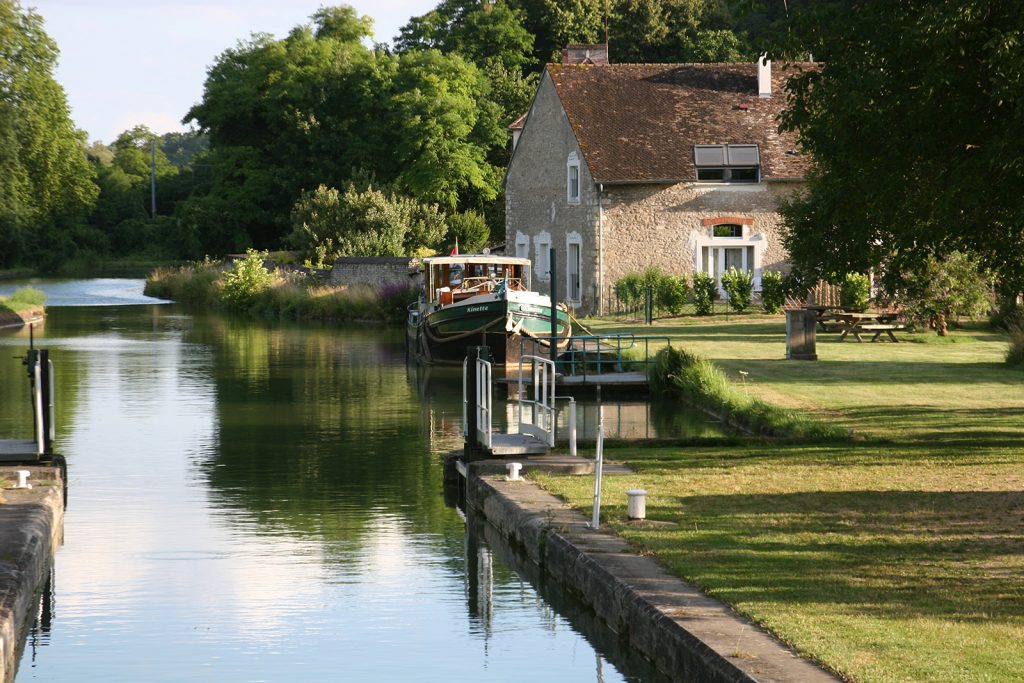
x: 262, y: 501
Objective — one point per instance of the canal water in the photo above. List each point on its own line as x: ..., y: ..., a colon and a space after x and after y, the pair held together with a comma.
x: 262, y: 502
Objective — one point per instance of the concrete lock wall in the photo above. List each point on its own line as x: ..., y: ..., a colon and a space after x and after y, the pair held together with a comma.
x: 376, y: 271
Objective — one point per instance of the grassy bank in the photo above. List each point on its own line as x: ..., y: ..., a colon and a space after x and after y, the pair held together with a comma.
x: 892, y: 558
x: 247, y: 287
x: 24, y: 305
x: 698, y: 381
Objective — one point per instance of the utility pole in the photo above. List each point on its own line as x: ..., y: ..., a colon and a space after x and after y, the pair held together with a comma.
x: 152, y: 177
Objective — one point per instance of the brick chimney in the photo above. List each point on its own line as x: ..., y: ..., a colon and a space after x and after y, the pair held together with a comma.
x: 764, y: 76
x: 585, y: 54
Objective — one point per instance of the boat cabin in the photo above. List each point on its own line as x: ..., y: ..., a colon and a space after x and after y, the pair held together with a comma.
x: 451, y: 279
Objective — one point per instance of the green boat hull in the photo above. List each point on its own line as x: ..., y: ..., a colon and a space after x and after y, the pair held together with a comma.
x: 444, y: 335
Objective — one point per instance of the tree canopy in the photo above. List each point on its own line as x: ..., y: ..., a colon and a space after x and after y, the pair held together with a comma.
x: 530, y: 33
x: 913, y: 122
x: 319, y: 107
x: 46, y: 183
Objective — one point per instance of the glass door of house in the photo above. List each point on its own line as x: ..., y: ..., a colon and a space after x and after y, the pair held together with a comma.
x: 722, y: 259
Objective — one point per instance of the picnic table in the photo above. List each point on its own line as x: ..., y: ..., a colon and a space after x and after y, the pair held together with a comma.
x: 855, y: 323
x: 826, y: 317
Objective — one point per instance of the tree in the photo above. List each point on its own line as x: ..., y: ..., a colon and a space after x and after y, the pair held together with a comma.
x: 483, y: 33
x: 286, y: 116
x: 133, y: 154
x: 327, y: 224
x: 444, y: 125
x: 46, y: 183
x: 941, y: 292
x: 913, y: 125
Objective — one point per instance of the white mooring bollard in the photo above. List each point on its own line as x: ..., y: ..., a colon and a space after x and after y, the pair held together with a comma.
x: 513, y: 470
x: 636, y: 506
x: 23, y: 476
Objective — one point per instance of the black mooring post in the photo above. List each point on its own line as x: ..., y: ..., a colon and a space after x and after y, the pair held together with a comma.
x: 44, y: 392
x: 553, y: 342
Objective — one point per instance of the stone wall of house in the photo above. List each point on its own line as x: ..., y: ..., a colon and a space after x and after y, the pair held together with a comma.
x: 629, y: 227
x: 666, y: 226
x: 377, y: 271
x: 537, y: 207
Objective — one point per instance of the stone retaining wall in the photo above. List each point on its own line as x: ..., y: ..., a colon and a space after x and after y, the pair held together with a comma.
x: 377, y: 271
x: 31, y: 529
x: 687, y: 635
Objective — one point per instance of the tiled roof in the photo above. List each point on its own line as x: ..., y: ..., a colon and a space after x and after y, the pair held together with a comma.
x: 639, y: 122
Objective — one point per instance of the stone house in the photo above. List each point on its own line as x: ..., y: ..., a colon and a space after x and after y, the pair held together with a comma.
x: 625, y: 166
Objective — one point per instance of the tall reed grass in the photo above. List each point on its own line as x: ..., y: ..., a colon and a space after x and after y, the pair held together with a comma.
x: 289, y: 295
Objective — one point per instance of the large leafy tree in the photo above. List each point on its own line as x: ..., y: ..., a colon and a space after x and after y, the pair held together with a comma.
x: 46, y: 183
x: 638, y: 30
x: 318, y: 107
x: 913, y: 122
x: 482, y: 33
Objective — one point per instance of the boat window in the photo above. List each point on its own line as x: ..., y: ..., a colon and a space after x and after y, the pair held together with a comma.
x: 455, y: 274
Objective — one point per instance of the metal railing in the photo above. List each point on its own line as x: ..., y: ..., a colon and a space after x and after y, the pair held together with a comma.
x: 540, y: 422
x: 483, y: 402
x: 598, y: 354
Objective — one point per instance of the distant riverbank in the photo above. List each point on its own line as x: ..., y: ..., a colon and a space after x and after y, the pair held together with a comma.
x: 249, y: 287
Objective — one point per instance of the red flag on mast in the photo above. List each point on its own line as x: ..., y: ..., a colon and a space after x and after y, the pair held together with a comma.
x: 455, y: 249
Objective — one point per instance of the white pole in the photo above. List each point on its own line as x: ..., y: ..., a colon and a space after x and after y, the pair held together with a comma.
x: 38, y: 390
x: 53, y: 414
x: 596, y: 519
x: 572, y: 427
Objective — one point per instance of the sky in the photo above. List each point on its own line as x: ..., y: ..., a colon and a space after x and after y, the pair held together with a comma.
x: 130, y: 62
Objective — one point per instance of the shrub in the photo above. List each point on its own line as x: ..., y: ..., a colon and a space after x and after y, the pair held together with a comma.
x: 671, y: 293
x: 395, y: 300
x: 739, y: 285
x: 629, y: 289
x: 246, y: 281
x: 1015, y: 351
x: 327, y: 224
x: 773, y: 292
x: 26, y: 297
x: 944, y: 290
x: 855, y: 291
x: 705, y: 289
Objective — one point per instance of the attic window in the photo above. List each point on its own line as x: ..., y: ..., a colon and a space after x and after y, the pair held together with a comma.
x: 727, y: 163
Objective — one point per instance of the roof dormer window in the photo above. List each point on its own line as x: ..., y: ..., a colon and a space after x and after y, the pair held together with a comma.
x: 727, y: 163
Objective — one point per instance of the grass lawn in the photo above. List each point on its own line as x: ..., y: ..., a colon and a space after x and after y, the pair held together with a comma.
x: 896, y: 556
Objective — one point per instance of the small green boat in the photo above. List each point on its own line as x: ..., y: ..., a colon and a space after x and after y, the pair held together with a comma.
x: 474, y: 300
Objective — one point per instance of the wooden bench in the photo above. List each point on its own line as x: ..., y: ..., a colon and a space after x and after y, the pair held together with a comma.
x: 879, y: 329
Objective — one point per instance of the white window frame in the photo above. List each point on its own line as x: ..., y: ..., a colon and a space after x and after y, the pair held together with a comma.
x: 574, y: 239
x: 542, y: 255
x: 572, y: 172
x: 716, y: 247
